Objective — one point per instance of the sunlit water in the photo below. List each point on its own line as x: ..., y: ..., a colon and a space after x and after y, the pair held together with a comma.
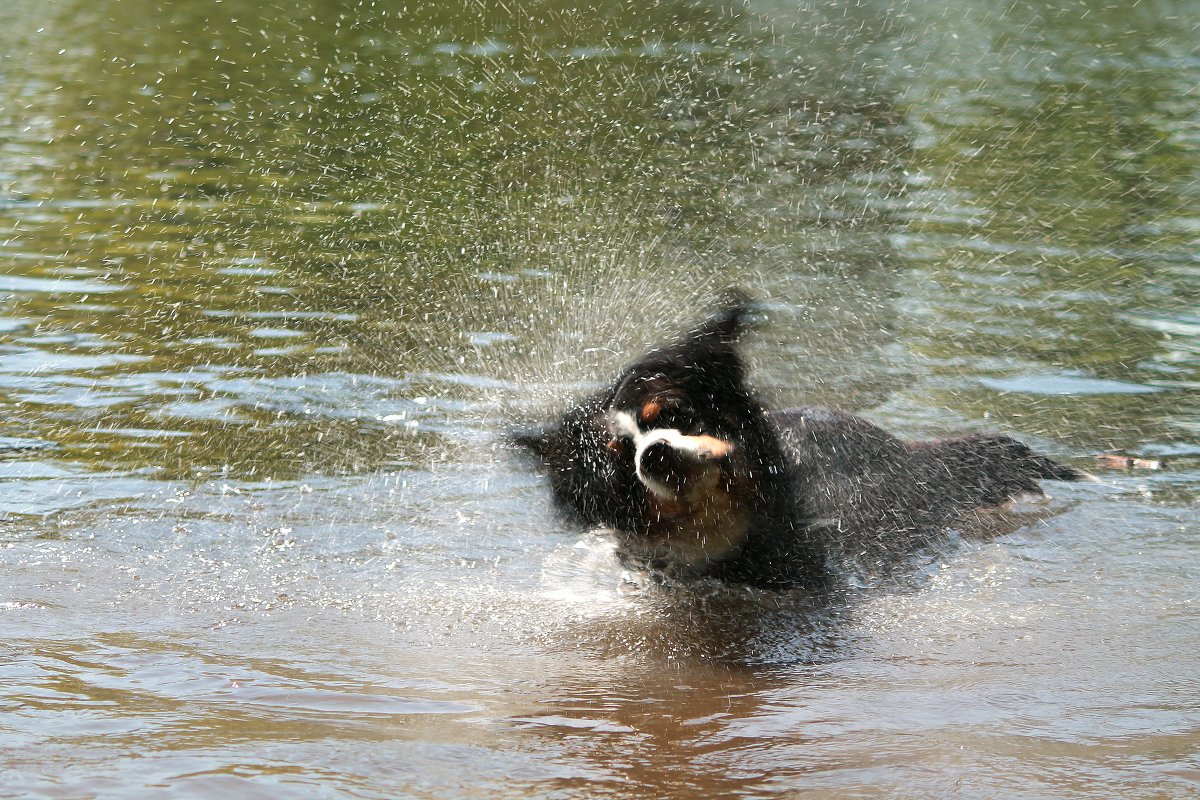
x: 274, y: 283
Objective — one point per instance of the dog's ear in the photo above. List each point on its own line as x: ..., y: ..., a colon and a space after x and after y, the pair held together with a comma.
x: 729, y: 322
x: 536, y: 441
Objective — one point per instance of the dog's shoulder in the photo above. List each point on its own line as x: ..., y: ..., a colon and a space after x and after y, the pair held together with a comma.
x: 815, y: 437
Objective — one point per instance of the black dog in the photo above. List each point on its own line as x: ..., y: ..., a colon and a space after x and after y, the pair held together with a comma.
x: 681, y: 460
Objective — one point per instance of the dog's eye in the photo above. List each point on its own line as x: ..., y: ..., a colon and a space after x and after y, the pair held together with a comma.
x: 618, y: 446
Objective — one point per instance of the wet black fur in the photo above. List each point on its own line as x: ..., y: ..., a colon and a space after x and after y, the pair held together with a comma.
x: 825, y: 486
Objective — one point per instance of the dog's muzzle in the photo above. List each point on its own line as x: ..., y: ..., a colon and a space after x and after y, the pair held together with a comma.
x: 672, y: 465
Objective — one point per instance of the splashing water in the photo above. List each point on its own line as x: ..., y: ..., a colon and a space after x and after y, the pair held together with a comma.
x: 274, y: 282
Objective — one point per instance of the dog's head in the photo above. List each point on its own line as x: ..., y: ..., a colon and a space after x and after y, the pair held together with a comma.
x: 667, y: 455
x: 677, y: 411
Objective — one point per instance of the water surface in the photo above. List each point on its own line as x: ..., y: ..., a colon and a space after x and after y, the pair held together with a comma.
x: 275, y: 281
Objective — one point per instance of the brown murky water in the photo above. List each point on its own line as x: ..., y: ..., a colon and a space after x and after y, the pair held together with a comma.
x: 275, y: 281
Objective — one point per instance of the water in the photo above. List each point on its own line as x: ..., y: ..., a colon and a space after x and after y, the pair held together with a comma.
x: 273, y: 282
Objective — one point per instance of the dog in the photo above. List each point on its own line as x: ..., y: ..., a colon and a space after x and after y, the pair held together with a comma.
x: 680, y: 458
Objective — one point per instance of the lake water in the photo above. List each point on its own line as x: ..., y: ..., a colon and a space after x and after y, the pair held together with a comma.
x: 274, y: 282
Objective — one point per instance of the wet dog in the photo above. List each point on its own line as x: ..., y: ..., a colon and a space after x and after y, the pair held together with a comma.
x: 696, y: 478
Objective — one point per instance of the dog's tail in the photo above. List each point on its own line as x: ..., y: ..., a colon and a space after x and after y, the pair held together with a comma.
x: 1053, y: 471
x: 1006, y: 468
x: 987, y: 470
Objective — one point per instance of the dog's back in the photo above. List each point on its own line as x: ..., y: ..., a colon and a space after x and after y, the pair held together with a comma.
x: 870, y: 495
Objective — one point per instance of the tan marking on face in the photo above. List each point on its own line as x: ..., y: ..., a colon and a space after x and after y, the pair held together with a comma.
x: 616, y: 446
x: 709, y: 446
x: 650, y: 411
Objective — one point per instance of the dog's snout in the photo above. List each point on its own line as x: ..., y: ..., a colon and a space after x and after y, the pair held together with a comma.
x: 669, y: 463
x: 664, y: 463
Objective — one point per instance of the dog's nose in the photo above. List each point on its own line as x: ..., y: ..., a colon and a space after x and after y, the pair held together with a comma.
x: 669, y: 463
x: 665, y: 464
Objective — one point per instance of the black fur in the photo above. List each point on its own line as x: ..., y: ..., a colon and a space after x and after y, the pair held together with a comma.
x: 799, y: 490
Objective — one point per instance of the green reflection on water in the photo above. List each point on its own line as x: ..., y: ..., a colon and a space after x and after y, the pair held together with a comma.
x: 509, y: 194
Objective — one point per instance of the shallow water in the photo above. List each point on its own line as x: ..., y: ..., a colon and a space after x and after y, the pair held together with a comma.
x: 273, y: 285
